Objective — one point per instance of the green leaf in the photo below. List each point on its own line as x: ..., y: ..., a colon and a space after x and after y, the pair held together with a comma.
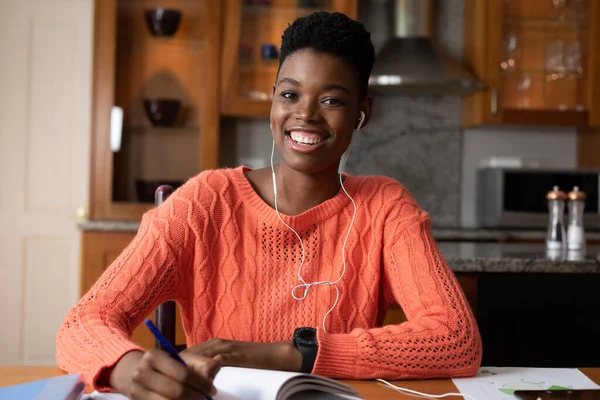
x: 556, y: 387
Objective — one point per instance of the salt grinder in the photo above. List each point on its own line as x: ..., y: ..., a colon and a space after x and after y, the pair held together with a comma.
x: 575, y: 230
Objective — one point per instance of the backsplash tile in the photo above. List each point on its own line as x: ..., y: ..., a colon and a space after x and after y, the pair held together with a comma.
x: 417, y: 141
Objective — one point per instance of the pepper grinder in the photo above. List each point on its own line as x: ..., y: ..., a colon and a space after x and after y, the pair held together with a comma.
x: 555, y: 236
x: 575, y: 231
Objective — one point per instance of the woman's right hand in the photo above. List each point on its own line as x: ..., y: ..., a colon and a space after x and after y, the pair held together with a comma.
x: 154, y: 375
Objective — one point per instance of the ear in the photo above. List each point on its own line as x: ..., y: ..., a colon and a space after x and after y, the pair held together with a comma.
x: 365, y: 107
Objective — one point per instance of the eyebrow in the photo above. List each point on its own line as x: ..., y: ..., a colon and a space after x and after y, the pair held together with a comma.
x: 294, y: 82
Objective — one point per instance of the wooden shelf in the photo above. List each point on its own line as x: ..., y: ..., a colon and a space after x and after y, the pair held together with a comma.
x: 152, y: 42
x: 572, y: 23
x: 160, y: 129
x: 545, y: 117
x: 260, y: 9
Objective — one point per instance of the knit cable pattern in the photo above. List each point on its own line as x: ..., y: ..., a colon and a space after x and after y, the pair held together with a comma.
x: 220, y: 251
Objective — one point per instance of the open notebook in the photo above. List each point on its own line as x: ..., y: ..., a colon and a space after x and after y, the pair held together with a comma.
x: 257, y: 384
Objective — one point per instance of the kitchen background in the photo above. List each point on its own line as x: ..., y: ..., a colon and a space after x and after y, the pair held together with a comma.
x: 418, y: 139
x: 56, y: 138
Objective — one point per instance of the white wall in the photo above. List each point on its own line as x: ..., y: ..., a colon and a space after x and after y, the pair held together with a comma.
x: 550, y: 146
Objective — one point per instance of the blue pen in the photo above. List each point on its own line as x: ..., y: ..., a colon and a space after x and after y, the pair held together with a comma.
x: 166, y: 345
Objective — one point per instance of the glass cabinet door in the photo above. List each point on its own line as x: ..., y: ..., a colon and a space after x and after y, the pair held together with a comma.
x: 539, y: 59
x: 544, y: 55
x: 252, y: 36
x: 152, y: 97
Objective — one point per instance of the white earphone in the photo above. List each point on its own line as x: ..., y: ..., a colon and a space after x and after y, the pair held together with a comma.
x: 304, y: 284
x: 344, y: 158
x: 361, y: 120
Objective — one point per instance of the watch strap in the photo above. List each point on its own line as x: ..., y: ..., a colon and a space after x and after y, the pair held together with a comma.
x: 305, y: 340
x: 309, y: 355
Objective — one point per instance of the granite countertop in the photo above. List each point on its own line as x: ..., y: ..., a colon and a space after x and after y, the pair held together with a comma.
x: 498, y: 235
x: 518, y: 258
x: 440, y: 234
x: 109, y: 226
x: 467, y: 251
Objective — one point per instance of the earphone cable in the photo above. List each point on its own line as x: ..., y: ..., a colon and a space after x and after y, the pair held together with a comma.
x: 304, y: 283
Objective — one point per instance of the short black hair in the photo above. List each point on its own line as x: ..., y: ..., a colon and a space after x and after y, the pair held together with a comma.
x: 335, y: 34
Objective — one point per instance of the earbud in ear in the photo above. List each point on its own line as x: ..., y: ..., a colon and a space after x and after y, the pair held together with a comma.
x: 270, y: 126
x: 360, y: 121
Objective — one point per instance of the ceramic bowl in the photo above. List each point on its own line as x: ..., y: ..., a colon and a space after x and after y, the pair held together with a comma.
x: 163, y: 22
x: 162, y: 112
x: 146, y: 188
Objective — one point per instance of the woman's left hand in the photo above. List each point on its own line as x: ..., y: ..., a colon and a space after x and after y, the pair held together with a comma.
x: 281, y: 356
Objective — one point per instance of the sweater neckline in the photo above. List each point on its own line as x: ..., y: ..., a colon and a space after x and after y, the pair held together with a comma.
x: 319, y: 213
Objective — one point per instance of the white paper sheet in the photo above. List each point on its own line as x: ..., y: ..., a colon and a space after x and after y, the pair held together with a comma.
x: 498, y: 383
x: 103, y: 396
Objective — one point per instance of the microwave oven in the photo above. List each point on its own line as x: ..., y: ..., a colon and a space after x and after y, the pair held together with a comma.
x: 516, y: 197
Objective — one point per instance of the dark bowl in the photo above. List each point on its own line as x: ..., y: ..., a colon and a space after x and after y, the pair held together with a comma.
x: 162, y: 112
x: 162, y: 22
x: 145, y: 189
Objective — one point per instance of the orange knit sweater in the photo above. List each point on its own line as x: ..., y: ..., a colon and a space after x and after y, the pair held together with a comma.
x: 221, y: 252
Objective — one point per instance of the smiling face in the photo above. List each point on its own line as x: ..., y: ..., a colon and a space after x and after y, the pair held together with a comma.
x: 316, y: 107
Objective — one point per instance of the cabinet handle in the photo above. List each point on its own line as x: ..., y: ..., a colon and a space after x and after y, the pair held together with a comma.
x: 116, y: 128
x: 494, y: 101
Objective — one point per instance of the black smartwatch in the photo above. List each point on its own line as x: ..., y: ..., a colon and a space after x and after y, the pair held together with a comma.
x: 305, y: 340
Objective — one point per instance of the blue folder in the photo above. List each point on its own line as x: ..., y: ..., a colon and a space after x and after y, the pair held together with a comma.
x: 66, y: 387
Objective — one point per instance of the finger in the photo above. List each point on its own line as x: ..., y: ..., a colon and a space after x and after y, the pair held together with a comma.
x: 162, y: 363
x: 203, y: 371
x: 215, y: 351
x: 208, y: 347
x: 147, y: 379
x: 139, y: 392
x: 165, y: 364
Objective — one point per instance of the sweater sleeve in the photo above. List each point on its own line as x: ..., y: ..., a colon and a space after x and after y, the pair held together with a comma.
x: 96, y: 331
x: 440, y: 338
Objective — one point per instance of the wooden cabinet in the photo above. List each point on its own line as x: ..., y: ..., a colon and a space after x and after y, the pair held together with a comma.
x: 539, y: 59
x: 98, y: 251
x: 131, y: 155
x: 251, y: 38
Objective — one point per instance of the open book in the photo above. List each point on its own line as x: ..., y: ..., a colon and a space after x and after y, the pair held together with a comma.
x: 235, y: 383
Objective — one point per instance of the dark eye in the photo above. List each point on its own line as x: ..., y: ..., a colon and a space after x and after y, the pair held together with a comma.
x: 289, y: 95
x: 332, y: 102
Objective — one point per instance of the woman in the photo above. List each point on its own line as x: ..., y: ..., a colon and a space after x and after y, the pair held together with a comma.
x: 261, y: 259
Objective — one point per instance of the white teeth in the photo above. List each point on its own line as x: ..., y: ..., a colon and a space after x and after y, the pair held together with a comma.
x: 304, y: 138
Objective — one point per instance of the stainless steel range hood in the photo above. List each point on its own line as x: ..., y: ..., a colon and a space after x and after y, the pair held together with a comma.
x: 411, y: 63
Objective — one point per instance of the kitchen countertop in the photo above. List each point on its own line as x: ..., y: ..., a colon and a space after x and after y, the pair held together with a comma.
x: 109, y: 226
x: 518, y: 258
x: 468, y: 251
x: 440, y: 234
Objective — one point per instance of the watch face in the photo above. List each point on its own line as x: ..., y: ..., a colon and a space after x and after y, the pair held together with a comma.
x: 306, y: 337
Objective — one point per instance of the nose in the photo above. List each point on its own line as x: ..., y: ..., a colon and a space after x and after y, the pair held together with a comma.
x: 307, y: 110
